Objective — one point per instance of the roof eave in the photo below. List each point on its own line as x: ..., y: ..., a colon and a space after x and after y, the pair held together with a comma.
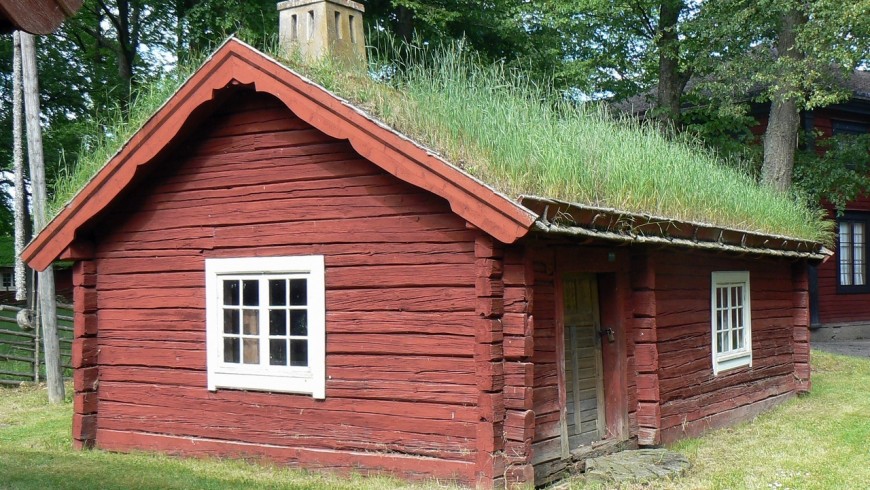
x: 36, y: 16
x: 591, y: 222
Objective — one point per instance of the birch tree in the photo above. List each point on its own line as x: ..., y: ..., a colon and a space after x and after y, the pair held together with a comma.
x: 18, y: 168
x: 47, y: 302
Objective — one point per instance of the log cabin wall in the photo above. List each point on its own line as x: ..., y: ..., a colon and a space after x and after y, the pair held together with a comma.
x: 519, y: 348
x: 546, y: 446
x: 691, y: 399
x: 403, y: 329
x: 549, y: 261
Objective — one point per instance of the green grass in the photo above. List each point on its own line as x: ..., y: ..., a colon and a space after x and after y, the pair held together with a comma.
x: 524, y: 138
x: 819, y: 441
x: 107, y: 133
x: 36, y: 453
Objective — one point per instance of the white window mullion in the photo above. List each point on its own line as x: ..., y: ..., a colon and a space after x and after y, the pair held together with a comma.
x: 264, y: 321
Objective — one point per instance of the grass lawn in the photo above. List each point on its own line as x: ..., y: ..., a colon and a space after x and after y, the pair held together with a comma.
x: 820, y: 441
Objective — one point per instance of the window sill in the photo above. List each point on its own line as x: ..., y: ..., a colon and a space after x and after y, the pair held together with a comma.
x: 299, y: 382
x: 732, y: 361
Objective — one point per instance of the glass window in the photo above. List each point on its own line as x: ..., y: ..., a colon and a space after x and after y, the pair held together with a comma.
x: 266, y: 324
x: 852, y: 253
x: 731, y: 320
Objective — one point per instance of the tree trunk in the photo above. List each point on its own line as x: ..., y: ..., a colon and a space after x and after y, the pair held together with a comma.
x: 47, y: 305
x: 18, y: 168
x: 780, y: 138
x: 126, y: 52
x: 671, y: 80
x: 405, y: 23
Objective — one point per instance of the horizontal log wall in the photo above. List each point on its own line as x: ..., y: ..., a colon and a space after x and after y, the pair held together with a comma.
x: 402, y: 391
x: 690, y: 398
x: 519, y: 345
x: 644, y: 399
x: 547, y: 443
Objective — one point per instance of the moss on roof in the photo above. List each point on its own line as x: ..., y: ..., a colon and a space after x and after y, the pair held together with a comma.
x: 524, y: 138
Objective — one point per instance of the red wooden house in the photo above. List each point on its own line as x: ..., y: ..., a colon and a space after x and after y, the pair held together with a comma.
x: 264, y: 270
x: 840, y: 288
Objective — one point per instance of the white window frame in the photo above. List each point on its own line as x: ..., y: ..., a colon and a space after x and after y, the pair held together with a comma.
x: 286, y: 379
x: 852, y: 253
x: 732, y: 358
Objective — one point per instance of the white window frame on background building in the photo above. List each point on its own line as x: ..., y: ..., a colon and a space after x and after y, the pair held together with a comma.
x: 242, y: 326
x: 731, y: 320
x: 852, y: 252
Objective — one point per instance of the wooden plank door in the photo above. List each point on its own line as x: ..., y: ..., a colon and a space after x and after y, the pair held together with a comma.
x: 583, y: 415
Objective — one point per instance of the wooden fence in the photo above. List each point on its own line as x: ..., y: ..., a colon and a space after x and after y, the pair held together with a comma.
x: 21, y: 354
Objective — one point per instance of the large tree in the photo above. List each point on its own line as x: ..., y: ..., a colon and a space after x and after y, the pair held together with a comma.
x: 791, y: 54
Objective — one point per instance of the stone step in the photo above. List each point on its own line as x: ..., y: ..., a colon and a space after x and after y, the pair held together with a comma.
x: 635, y: 466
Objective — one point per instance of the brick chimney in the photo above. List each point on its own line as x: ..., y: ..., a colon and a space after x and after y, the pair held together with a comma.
x: 317, y: 28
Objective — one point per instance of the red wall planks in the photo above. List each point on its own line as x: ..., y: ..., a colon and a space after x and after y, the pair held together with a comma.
x: 400, y: 278
x: 693, y: 399
x: 834, y: 306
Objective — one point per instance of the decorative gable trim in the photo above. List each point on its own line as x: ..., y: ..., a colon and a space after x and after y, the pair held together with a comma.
x: 236, y: 63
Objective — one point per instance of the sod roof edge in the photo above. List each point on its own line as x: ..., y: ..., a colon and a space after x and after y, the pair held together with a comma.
x: 237, y: 63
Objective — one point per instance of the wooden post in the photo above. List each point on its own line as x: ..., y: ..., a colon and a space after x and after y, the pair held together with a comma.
x: 18, y: 166
x: 47, y: 305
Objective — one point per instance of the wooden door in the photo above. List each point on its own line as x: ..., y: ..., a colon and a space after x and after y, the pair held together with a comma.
x: 583, y: 415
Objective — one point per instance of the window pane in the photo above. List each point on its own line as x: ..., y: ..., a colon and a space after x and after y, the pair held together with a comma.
x: 231, y: 349
x: 278, y: 352
x: 858, y: 253
x: 251, y: 293
x: 298, y: 352
x: 251, y: 321
x: 721, y: 336
x: 231, y: 293
x: 298, y: 292
x: 231, y: 321
x: 252, y: 351
x: 277, y: 292
x: 278, y: 322
x: 298, y: 322
x: 845, y: 254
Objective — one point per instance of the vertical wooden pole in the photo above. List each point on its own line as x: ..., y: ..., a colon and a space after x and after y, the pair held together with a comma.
x: 18, y: 167
x: 47, y: 304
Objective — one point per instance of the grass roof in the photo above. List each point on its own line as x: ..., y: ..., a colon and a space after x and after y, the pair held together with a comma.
x: 524, y: 138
